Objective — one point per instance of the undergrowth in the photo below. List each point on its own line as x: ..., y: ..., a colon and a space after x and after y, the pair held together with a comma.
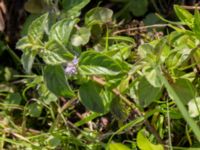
x: 87, y: 85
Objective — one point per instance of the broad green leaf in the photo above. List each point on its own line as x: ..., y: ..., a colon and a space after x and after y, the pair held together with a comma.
x: 118, y: 109
x: 184, y: 89
x: 119, y: 51
x: 138, y: 7
x: 178, y: 100
x: 145, y: 49
x: 28, y: 43
x: 144, y: 144
x: 37, y: 27
x: 196, y: 27
x: 27, y: 60
x: 152, y: 75
x: 93, y: 97
x: 56, y: 82
x: 13, y: 98
x: 194, y: 107
x: 178, y: 56
x: 96, y: 70
x: 81, y: 37
x: 55, y: 53
x: 73, y: 7
x: 62, y: 30
x: 98, y: 15
x: 45, y: 95
x: 151, y: 19
x: 98, y: 62
x: 28, y: 21
x: 147, y: 93
x: 34, y: 109
x: 185, y: 16
x: 24, y: 43
x: 117, y: 146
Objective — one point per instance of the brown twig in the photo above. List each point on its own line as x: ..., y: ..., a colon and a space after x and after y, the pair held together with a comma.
x: 190, y: 7
x: 141, y: 28
x: 146, y: 122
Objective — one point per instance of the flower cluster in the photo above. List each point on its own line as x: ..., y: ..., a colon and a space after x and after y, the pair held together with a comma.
x: 71, y: 67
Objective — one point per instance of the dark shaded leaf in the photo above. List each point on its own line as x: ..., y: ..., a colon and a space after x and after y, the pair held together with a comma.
x: 147, y: 93
x: 94, y: 97
x: 56, y: 82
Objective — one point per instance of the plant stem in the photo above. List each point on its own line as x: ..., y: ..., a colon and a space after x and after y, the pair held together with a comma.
x: 141, y: 28
x: 146, y: 122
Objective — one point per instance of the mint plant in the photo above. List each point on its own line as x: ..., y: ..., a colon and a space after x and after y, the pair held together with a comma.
x: 83, y: 60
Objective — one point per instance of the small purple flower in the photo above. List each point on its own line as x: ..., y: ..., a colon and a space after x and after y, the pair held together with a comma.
x: 71, y: 67
x: 75, y: 60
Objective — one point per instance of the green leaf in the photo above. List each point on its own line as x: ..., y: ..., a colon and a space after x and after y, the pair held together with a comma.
x: 28, y: 21
x: 55, y: 53
x: 28, y: 43
x: 34, y: 109
x: 196, y: 27
x: 176, y: 97
x: 35, y: 6
x: 56, y: 82
x: 147, y: 93
x: 185, y: 16
x: 61, y: 31
x: 145, y: 49
x: 96, y: 70
x: 72, y: 8
x: 94, y: 97
x: 184, y: 89
x: 144, y: 144
x: 27, y: 60
x: 91, y: 62
x: 13, y: 98
x: 138, y: 7
x: 45, y: 95
x: 151, y: 19
x: 37, y: 27
x: 152, y: 75
x: 118, y: 109
x: 24, y: 43
x: 194, y: 107
x: 81, y: 37
x: 117, y: 146
x: 178, y: 56
x: 98, y: 15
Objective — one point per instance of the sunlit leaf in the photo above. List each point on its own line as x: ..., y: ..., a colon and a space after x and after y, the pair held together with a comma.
x: 37, y: 27
x: 91, y: 62
x: 61, y: 31
x: 81, y: 37
x: 194, y: 107
x: 118, y: 146
x: 55, y: 53
x: 184, y: 15
x: 73, y: 7
x: 27, y: 60
x: 144, y: 144
x: 98, y: 15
